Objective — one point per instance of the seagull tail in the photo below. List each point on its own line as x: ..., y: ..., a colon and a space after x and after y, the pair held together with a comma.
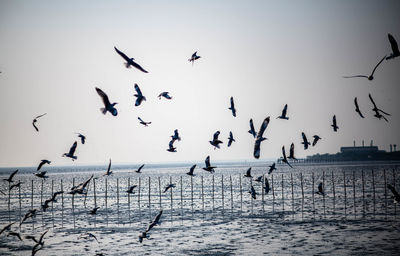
x: 103, y: 110
x: 127, y: 65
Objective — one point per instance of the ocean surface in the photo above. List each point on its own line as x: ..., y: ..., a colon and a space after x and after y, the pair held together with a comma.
x: 208, y: 214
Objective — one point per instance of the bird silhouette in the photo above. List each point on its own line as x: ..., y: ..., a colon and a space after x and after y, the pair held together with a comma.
x: 395, y: 193
x: 334, y: 125
x: 395, y: 48
x: 108, y: 106
x: 109, y: 172
x: 41, y: 175
x: 129, y: 61
x: 370, y: 77
x: 71, y: 152
x: 258, y: 179
x: 284, y: 159
x: 156, y: 221
x: 283, y: 115
x: 252, y: 131
x: 16, y: 234
x: 42, y: 162
x: 83, y: 138
x: 88, y: 235
x: 253, y: 192
x: 260, y: 138
x: 171, y: 147
x: 194, y: 57
x: 81, y: 188
x: 209, y: 167
x: 130, y: 190
x: 35, y: 120
x: 37, y: 241
x: 165, y: 95
x: 378, y: 112
x: 7, y: 227
x: 232, y: 107
x: 140, y: 168
x: 10, y: 178
x: 266, y: 186
x: 215, y: 142
x: 230, y: 139
x: 271, y: 168
x: 291, y: 152
x: 316, y: 139
x: 357, y: 107
x: 30, y: 214
x: 248, y: 173
x: 143, y: 122
x: 139, y: 96
x: 17, y: 185
x: 168, y: 187
x: 305, y: 141
x: 190, y: 173
x: 320, y: 189
x: 176, y: 135
x: 94, y: 210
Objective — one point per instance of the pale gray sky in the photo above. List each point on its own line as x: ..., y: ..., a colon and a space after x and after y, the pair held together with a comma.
x: 263, y: 53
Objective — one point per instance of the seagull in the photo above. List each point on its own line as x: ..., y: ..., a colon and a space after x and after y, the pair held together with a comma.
x: 7, y: 227
x: 17, y: 185
x: 140, y: 168
x: 71, y: 152
x: 129, y: 61
x: 165, y: 95
x: 230, y: 139
x: 208, y: 167
x: 11, y: 176
x: 176, y: 135
x: 35, y: 120
x: 81, y: 188
x: 260, y: 138
x: 395, y: 49
x: 320, y: 189
x: 41, y: 175
x: 232, y: 107
x: 109, y: 172
x: 334, y: 125
x: 16, y: 234
x: 143, y: 122
x: 168, y: 187
x: 266, y: 186
x: 370, y: 77
x: 83, y: 138
x: 142, y: 236
x: 253, y: 192
x: 94, y: 210
x: 283, y: 115
x: 271, y: 168
x: 316, y: 139
x: 259, y: 179
x: 395, y: 193
x: 107, y: 104
x: 291, y: 152
x: 156, y: 221
x: 215, y: 142
x: 190, y: 173
x: 171, y: 147
x: 252, y: 131
x: 37, y: 241
x: 284, y: 159
x: 88, y: 235
x: 305, y: 141
x: 42, y: 162
x: 378, y: 112
x: 194, y: 57
x: 139, y: 96
x: 31, y: 213
x: 36, y: 248
x: 130, y: 190
x: 357, y: 108
x: 248, y: 173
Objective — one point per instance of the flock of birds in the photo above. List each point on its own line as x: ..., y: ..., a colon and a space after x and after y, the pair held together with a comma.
x: 215, y: 142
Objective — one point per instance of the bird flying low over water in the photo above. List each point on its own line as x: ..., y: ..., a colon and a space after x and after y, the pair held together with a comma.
x: 71, y: 152
x: 248, y: 173
x: 320, y: 189
x: 194, y: 57
x: 305, y: 141
x: 266, y: 186
x: 168, y: 187
x: 129, y: 61
x: 41, y: 175
x: 190, y: 173
x: 156, y: 221
x: 10, y: 178
x: 252, y: 131
x: 176, y: 135
x: 395, y: 193
x: 291, y: 152
x: 260, y: 138
x: 271, y: 168
x: 171, y: 147
x: 30, y: 214
x: 16, y: 185
x: 378, y: 112
x: 357, y: 107
x: 143, y: 122
x: 284, y: 159
x: 130, y: 190
x: 39, y: 243
x: 208, y: 167
x: 94, y: 210
x: 395, y: 48
x: 42, y: 162
x: 253, y: 192
x: 139, y: 96
x: 16, y: 234
x: 108, y: 106
x: 35, y: 120
x: 109, y: 172
x: 88, y: 235
x: 232, y: 107
x: 283, y: 115
x: 215, y: 142
x: 81, y: 188
x: 259, y: 179
x: 140, y: 168
x: 7, y: 227
x: 370, y: 77
x: 334, y: 125
x: 83, y: 138
x: 230, y: 139
x: 316, y: 139
x: 165, y: 95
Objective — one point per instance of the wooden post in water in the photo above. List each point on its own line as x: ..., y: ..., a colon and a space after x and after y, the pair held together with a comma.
x: 312, y: 193
x: 230, y: 181
x: 354, y: 195
x: 52, y: 208
x: 213, y: 192
x: 94, y: 193
x: 345, y: 194
x: 41, y: 193
x: 72, y: 201
x: 182, y: 197
x: 241, y: 194
x: 159, y: 190
x: 62, y: 204
x: 291, y: 181
x: 118, y: 199
x: 386, y: 203
x: 302, y: 195
x: 9, y: 202
x: 334, y: 193
x: 394, y: 185
x: 170, y: 182
x: 33, y: 221
x: 129, y: 200
x: 363, y: 191
x: 222, y: 191
x: 323, y: 194
x: 191, y: 190
x: 150, y: 217
x: 251, y: 184
x: 262, y: 193
x: 139, y: 189
x: 202, y: 193
x: 273, y: 193
x: 20, y: 203
x: 87, y: 191
x: 283, y: 200
x: 373, y: 190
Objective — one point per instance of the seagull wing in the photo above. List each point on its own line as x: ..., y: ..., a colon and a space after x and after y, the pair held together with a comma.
x: 207, y: 161
x: 284, y: 110
x: 141, y: 120
x: 109, y: 167
x: 372, y: 100
x: 216, y: 134
x: 33, y: 123
x: 373, y: 71
x: 264, y: 126
x: 13, y: 174
x: 40, y: 165
x: 393, y: 44
x: 138, y: 66
x: 41, y: 115
x: 284, y: 153
x: 72, y: 149
x: 126, y: 58
x: 103, y: 96
x: 356, y: 76
x: 291, y: 152
x: 252, y: 130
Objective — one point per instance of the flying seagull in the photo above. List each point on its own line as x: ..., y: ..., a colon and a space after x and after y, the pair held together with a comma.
x: 107, y: 105
x: 7, y: 227
x: 31, y: 213
x: 71, y: 152
x: 17, y: 185
x: 130, y: 190
x: 208, y: 167
x: 16, y: 234
x: 156, y: 221
x: 140, y: 168
x: 10, y: 178
x: 291, y: 152
x: 176, y: 135
x: 253, y: 192
x: 41, y: 175
x: 395, y: 48
x: 320, y: 189
x: 37, y: 241
x: 35, y: 120
x: 230, y: 139
x: 139, y: 96
x: 259, y: 179
x: 252, y: 131
x: 370, y: 77
x: 283, y: 115
x: 284, y: 159
x: 94, y: 210
x: 143, y: 122
x: 334, y: 125
x: 168, y: 187
x: 266, y: 186
x: 316, y: 139
x: 165, y: 95
x: 271, y: 168
x: 215, y: 142
x: 194, y: 57
x: 357, y: 107
x: 378, y: 112
x: 248, y: 173
x: 129, y: 61
x: 260, y: 138
x: 88, y: 235
x: 190, y: 173
x: 305, y: 141
x: 395, y: 193
x: 171, y: 147
x: 42, y: 162
x: 232, y: 107
x: 81, y: 188
x: 109, y: 172
x: 83, y: 138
